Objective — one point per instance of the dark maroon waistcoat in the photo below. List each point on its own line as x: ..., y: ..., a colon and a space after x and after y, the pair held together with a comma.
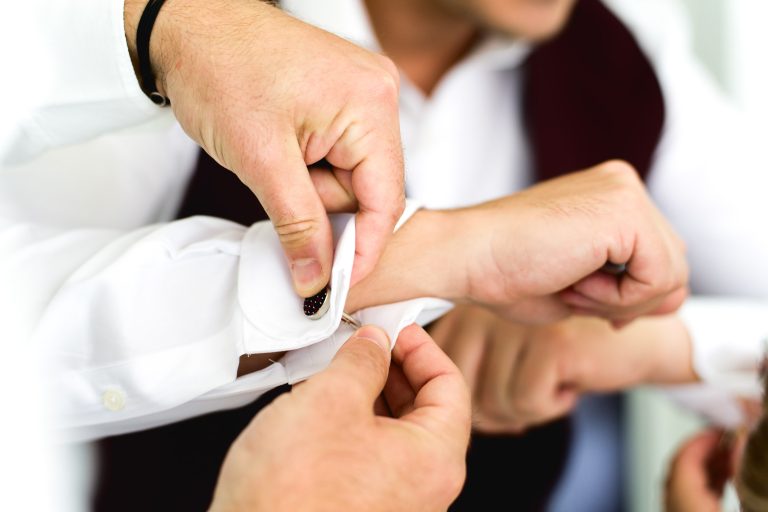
x: 590, y: 96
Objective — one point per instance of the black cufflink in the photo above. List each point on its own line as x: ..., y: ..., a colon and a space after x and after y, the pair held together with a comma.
x: 316, y: 306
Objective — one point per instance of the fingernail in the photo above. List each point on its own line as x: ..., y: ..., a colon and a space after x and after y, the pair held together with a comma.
x: 307, y: 274
x: 375, y: 335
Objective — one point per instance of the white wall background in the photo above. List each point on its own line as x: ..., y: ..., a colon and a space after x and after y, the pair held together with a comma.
x: 731, y: 38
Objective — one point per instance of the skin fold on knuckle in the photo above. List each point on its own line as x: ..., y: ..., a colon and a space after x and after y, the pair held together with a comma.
x: 298, y: 232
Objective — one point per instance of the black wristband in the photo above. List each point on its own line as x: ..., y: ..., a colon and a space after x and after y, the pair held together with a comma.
x: 143, y: 33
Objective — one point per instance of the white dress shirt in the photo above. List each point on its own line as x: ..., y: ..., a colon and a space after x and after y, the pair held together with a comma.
x: 140, y: 321
x: 465, y: 143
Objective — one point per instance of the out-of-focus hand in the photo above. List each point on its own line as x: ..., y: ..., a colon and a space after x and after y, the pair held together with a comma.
x: 265, y: 95
x: 699, y: 471
x: 322, y: 447
x: 524, y: 375
x: 541, y: 250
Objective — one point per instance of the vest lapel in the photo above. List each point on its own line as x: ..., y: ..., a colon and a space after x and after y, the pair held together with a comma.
x: 591, y: 95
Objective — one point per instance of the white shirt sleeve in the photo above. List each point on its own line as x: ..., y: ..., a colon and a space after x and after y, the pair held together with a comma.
x: 143, y: 328
x: 68, y: 76
x: 710, y: 179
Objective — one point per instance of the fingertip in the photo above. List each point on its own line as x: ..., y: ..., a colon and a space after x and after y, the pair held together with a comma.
x: 374, y: 334
x: 309, y: 276
x: 672, y: 302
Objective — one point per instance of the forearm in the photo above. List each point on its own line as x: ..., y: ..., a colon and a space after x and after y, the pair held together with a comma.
x: 174, y: 27
x: 670, y: 351
x: 596, y: 357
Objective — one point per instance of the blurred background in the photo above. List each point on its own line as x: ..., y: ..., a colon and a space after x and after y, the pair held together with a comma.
x: 730, y: 38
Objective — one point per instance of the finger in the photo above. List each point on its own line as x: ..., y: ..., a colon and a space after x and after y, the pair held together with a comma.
x: 499, y: 360
x: 493, y: 426
x: 687, y: 483
x: 376, y: 160
x: 398, y: 392
x: 654, y: 276
x: 358, y: 372
x: 671, y: 302
x: 282, y: 183
x: 466, y: 344
x: 537, y: 393
x: 380, y: 407
x: 689, y: 467
x: 442, y: 402
x: 621, y: 315
x: 334, y: 186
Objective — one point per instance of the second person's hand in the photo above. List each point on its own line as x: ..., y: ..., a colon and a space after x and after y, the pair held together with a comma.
x: 322, y: 447
x: 524, y: 375
x: 536, y: 256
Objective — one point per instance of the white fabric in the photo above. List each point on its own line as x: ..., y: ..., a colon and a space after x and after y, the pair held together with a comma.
x: 710, y: 175
x: 72, y: 77
x: 140, y: 321
x: 96, y: 275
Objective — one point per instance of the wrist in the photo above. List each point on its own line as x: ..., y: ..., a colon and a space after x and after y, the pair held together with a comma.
x: 671, y: 359
x: 424, y: 258
x: 160, y: 43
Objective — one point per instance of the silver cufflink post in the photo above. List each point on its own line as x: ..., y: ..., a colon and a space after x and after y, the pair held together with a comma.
x: 316, y: 306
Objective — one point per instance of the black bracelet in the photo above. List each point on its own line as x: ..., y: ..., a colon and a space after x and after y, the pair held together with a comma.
x: 143, y: 33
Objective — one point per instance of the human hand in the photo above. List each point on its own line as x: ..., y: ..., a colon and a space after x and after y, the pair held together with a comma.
x: 321, y: 447
x: 535, y: 256
x: 524, y: 375
x: 540, y: 251
x: 700, y: 470
x: 267, y: 95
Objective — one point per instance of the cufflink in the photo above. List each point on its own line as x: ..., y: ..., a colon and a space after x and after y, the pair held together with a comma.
x: 349, y: 320
x: 316, y: 306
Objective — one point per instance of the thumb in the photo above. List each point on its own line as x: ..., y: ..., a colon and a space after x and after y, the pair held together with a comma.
x: 283, y: 185
x: 360, y: 368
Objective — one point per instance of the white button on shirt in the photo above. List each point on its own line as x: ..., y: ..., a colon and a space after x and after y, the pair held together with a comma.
x: 113, y: 399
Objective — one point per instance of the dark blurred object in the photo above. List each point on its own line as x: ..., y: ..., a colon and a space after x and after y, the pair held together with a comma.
x: 517, y: 473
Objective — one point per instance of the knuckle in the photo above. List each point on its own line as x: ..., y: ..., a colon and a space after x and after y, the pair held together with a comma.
x: 297, y: 233
x: 522, y: 405
x: 491, y: 406
x: 390, y: 67
x: 620, y: 170
x: 385, y: 88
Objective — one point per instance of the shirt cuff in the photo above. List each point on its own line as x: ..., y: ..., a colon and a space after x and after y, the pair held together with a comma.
x: 728, y: 338
x: 275, y: 321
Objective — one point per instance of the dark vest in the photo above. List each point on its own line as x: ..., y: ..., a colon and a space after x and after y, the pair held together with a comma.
x: 590, y: 96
